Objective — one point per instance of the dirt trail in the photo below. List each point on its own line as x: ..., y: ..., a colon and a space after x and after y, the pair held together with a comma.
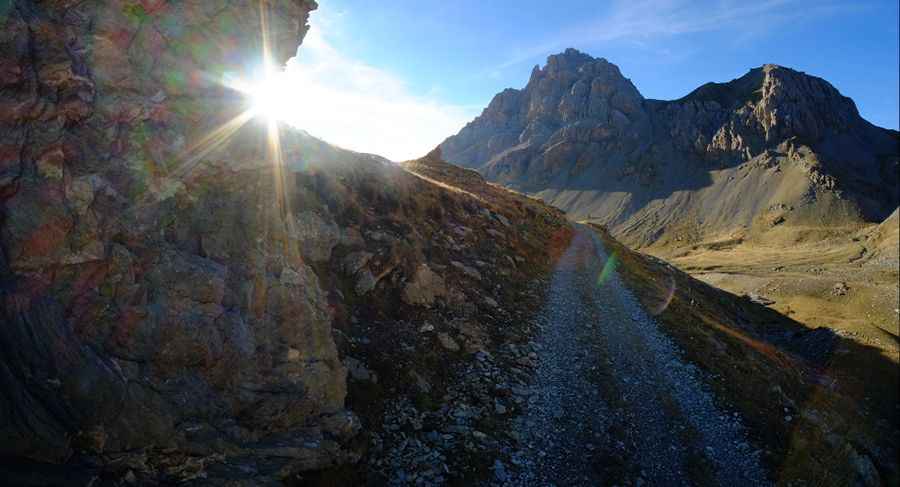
x: 613, y: 402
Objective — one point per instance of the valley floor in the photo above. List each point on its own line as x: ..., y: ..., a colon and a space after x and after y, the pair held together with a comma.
x: 820, y: 284
x: 613, y: 401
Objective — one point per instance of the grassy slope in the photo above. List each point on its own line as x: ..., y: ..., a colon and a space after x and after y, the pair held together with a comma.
x: 821, y: 418
x: 799, y: 270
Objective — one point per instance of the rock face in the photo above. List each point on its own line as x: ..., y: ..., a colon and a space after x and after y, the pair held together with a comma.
x: 156, y: 288
x: 582, y: 137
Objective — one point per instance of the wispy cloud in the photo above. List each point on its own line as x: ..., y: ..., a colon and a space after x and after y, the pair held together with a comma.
x: 643, y: 21
x: 361, y: 107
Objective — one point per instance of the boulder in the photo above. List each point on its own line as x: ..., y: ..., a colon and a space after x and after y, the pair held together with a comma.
x: 365, y: 282
x: 447, y: 342
x: 424, y: 287
x: 358, y: 371
x: 468, y: 271
x: 315, y: 236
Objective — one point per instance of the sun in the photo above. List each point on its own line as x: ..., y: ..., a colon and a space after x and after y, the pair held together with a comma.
x: 270, y: 96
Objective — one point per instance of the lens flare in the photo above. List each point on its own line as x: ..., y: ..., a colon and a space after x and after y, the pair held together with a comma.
x: 667, y: 299
x: 608, y: 268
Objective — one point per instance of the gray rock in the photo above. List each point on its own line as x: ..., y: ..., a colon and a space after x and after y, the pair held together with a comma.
x: 424, y: 287
x: 420, y: 382
x: 447, y: 342
x: 840, y: 289
x: 187, y: 305
x: 358, y: 370
x: 355, y: 261
x: 469, y: 271
x: 365, y: 282
x: 316, y: 236
x: 759, y: 299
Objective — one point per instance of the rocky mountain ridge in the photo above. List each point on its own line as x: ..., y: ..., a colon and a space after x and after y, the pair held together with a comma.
x: 581, y: 136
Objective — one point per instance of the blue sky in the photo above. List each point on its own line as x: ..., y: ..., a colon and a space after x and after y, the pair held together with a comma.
x: 441, y: 62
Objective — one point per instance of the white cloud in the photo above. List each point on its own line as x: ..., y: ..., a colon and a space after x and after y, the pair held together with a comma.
x: 358, y: 106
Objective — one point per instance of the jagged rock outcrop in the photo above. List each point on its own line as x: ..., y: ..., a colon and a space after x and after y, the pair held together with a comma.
x: 156, y: 294
x: 582, y: 137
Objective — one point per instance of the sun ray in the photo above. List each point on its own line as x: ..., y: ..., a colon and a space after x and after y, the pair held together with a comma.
x: 273, y: 135
x: 211, y: 141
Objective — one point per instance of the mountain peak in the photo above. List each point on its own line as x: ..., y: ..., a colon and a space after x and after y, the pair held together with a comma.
x: 772, y: 67
x: 571, y: 54
x: 572, y: 61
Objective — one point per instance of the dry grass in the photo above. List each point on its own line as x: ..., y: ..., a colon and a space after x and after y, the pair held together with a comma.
x: 799, y: 272
x: 819, y: 419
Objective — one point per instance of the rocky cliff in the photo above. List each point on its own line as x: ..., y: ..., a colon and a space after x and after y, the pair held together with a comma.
x: 772, y: 145
x: 154, y: 292
x: 182, y: 298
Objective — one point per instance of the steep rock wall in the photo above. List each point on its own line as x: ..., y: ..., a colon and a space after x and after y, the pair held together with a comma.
x: 156, y: 293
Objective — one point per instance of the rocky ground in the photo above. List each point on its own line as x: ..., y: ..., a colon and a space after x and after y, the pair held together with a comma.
x: 433, y: 358
x: 579, y: 388
x: 613, y: 401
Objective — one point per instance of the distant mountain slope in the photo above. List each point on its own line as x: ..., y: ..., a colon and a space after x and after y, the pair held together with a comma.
x: 775, y: 146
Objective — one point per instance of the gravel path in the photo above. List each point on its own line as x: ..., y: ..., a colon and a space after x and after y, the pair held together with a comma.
x: 612, y: 401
